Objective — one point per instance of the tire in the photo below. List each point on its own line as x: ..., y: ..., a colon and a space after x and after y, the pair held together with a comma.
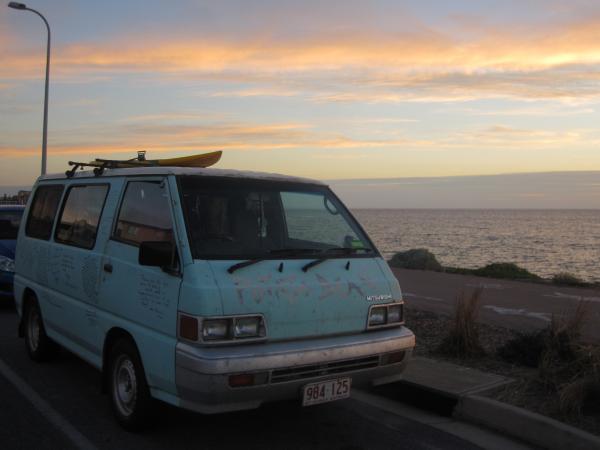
x: 129, y: 395
x: 39, y: 346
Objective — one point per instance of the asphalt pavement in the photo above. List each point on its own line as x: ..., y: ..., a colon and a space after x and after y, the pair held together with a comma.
x: 69, y: 401
x: 518, y: 305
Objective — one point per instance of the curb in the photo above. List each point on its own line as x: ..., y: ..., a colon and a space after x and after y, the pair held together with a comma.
x: 530, y: 427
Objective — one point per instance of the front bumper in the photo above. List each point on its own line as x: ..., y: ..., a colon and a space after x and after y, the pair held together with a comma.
x: 202, y: 373
x: 6, y: 285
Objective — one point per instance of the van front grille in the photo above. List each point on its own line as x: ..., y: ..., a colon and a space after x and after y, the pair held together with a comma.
x: 318, y: 370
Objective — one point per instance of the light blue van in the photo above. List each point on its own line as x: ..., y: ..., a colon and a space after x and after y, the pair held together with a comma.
x: 208, y: 289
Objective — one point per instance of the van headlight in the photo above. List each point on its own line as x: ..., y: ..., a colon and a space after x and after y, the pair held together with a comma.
x: 245, y: 327
x: 222, y: 329
x: 381, y: 316
x: 7, y: 264
x: 377, y: 316
x: 215, y: 329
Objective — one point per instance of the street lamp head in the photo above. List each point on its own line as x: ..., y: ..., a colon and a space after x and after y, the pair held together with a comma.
x: 17, y: 5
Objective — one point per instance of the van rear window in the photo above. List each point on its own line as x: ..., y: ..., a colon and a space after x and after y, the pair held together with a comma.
x: 43, y: 211
x: 81, y: 212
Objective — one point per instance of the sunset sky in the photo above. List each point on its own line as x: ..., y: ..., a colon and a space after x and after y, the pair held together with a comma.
x: 330, y: 90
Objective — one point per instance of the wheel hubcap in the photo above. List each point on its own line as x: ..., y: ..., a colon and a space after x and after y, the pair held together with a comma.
x: 125, y: 385
x: 33, y: 329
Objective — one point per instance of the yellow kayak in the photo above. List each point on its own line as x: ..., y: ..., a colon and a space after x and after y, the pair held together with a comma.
x: 201, y: 160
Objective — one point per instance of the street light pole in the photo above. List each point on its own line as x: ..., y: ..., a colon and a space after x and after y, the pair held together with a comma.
x: 22, y: 6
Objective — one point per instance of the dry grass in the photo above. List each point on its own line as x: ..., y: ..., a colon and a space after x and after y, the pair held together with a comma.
x: 582, y: 390
x: 562, y: 349
x: 568, y: 367
x: 463, y: 337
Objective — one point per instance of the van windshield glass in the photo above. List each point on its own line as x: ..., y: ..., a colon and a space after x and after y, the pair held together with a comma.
x: 246, y: 219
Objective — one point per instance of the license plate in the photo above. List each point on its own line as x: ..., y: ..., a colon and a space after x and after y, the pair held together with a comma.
x: 326, y: 391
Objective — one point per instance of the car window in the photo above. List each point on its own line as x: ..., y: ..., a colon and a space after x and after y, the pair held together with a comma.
x: 9, y: 223
x: 43, y: 211
x: 78, y: 224
x: 145, y: 213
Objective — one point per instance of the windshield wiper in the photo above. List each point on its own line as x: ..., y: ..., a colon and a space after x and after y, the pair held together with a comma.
x: 297, y: 252
x: 334, y: 250
x: 269, y: 254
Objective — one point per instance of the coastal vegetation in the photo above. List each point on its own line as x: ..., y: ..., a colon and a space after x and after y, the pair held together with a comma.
x: 423, y: 259
x: 566, y: 367
x: 554, y: 371
x: 568, y: 279
x: 416, y: 258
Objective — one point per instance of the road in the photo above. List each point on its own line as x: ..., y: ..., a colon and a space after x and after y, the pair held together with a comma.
x: 70, y: 401
x: 522, y: 306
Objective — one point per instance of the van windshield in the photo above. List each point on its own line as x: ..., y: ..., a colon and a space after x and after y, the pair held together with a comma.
x: 229, y: 218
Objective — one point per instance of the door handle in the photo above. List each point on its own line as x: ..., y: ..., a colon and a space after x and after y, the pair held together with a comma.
x: 108, y: 268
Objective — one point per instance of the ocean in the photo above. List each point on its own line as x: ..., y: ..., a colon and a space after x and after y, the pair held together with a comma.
x: 544, y: 242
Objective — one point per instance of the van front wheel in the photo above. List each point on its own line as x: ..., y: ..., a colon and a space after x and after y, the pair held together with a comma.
x: 129, y: 394
x: 39, y: 346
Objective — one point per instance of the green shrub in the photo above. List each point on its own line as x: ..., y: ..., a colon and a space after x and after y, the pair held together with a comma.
x: 505, y: 270
x: 579, y: 396
x: 416, y: 258
x: 568, y: 279
x: 525, y: 349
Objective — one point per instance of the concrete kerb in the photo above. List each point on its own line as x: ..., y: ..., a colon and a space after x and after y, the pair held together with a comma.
x: 522, y: 424
x: 464, y: 386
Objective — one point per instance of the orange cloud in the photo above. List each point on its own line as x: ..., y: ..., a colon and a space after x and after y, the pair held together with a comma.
x: 572, y: 43
x: 182, y: 139
x: 157, y: 137
x: 544, y: 63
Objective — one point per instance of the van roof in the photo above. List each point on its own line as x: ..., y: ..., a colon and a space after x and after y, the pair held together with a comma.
x: 149, y: 171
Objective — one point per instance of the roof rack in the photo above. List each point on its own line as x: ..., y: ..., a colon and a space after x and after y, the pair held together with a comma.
x: 99, y: 164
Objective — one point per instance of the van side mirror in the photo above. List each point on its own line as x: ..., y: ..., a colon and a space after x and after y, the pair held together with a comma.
x: 157, y: 254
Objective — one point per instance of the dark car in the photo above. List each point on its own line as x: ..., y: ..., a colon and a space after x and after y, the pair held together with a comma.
x: 10, y: 219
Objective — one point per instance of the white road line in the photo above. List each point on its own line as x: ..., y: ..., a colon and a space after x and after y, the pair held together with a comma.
x: 546, y: 317
x: 573, y: 297
x: 434, y: 299
x: 78, y: 439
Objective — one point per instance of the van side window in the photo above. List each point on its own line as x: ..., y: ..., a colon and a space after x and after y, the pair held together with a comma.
x: 145, y: 214
x: 43, y: 211
x: 78, y: 224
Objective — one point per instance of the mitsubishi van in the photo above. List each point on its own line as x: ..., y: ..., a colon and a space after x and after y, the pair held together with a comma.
x: 212, y: 290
